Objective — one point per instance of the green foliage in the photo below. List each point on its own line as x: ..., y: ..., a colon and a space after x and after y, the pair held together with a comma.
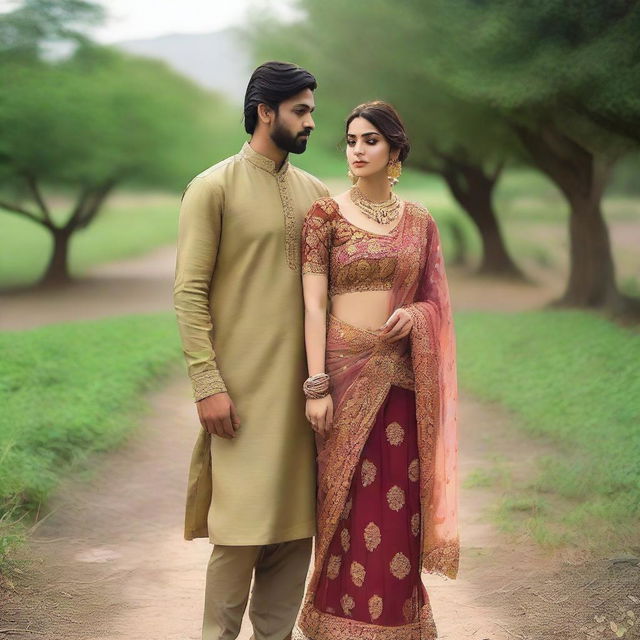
x: 108, y: 116
x: 68, y: 391
x: 543, y: 61
x: 569, y: 377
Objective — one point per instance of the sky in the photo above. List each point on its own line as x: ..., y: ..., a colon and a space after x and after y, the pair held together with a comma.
x: 139, y: 19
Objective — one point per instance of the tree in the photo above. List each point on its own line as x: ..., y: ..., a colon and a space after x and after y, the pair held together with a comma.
x: 90, y: 123
x: 567, y: 77
x: 24, y: 30
x: 465, y: 144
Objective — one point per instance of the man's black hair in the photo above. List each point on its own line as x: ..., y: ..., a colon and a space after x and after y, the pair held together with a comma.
x: 272, y: 83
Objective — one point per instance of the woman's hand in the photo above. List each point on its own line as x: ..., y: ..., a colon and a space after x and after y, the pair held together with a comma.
x: 320, y: 414
x: 398, y: 326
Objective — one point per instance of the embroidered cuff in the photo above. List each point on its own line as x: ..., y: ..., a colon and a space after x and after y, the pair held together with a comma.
x: 206, y: 384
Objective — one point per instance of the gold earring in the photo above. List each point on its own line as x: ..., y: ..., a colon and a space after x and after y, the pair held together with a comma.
x: 352, y: 177
x: 394, y: 169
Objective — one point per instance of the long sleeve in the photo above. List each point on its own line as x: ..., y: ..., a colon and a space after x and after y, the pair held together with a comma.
x: 198, y: 240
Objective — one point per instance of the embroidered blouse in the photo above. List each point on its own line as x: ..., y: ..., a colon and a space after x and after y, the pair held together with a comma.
x: 353, y: 258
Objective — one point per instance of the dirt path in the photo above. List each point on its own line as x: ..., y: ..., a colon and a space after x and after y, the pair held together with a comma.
x: 108, y: 561
x: 139, y: 285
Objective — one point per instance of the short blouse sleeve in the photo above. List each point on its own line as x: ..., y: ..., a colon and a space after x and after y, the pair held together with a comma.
x: 316, y: 240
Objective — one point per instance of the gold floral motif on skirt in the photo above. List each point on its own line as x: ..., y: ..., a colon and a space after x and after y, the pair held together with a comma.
x: 395, y: 434
x: 395, y: 498
x: 414, y: 470
x: 400, y: 566
x: 333, y: 567
x: 358, y: 574
x: 372, y: 536
x: 347, y: 603
x: 368, y: 472
x: 375, y: 607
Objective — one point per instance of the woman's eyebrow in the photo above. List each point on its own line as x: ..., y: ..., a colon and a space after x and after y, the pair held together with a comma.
x: 369, y: 133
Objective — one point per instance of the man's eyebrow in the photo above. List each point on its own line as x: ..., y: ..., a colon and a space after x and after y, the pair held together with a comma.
x: 306, y: 106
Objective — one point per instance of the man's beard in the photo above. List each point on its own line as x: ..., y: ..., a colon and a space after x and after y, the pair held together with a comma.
x: 287, y: 141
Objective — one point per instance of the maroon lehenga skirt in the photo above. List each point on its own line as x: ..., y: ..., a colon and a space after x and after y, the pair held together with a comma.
x: 366, y: 582
x: 372, y: 573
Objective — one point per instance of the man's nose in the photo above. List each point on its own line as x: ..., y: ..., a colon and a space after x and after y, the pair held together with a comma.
x: 309, y: 123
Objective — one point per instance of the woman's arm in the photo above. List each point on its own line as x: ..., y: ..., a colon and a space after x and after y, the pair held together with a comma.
x: 315, y: 290
x: 314, y: 287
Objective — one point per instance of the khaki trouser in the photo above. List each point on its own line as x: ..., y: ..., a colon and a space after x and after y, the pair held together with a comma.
x: 280, y: 573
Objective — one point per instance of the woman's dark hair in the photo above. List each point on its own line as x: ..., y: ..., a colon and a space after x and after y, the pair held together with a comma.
x: 387, y: 121
x: 272, y: 83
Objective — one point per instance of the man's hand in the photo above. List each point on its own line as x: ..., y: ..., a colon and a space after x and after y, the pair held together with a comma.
x: 218, y: 415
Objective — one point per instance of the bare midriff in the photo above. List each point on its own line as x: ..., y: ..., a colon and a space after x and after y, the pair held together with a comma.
x: 363, y: 309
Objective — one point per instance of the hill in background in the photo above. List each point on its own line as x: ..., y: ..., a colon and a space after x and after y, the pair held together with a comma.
x: 219, y: 61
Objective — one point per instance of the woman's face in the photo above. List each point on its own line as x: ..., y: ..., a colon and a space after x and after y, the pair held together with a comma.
x: 368, y: 151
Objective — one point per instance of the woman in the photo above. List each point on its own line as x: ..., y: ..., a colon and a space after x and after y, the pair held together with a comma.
x: 386, y: 458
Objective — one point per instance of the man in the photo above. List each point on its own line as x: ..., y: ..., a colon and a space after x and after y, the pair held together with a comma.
x: 239, y: 304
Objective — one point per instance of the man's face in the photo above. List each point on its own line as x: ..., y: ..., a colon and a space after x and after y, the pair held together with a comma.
x: 293, y: 123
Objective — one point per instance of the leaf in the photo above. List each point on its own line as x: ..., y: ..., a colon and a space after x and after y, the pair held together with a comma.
x: 600, y: 619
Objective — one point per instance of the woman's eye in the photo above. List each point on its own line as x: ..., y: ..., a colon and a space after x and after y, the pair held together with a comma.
x: 371, y: 141
x: 351, y: 142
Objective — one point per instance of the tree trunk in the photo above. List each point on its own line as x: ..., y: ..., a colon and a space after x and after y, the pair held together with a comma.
x: 592, y: 280
x: 473, y: 189
x: 57, y: 271
x: 582, y: 178
x: 495, y: 257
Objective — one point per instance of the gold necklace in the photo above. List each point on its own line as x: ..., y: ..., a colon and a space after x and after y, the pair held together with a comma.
x: 382, y: 212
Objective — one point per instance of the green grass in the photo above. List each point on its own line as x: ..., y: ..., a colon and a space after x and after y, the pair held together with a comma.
x: 68, y: 391
x: 570, y: 378
x: 130, y: 226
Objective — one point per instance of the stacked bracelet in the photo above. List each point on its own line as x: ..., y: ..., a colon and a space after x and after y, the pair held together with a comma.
x: 316, y: 387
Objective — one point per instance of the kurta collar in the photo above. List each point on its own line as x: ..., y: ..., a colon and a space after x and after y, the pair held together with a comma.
x: 262, y: 162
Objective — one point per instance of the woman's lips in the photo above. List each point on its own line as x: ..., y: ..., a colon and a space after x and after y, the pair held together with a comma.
x: 359, y: 163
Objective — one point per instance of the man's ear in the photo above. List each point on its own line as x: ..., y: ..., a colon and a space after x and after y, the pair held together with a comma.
x: 265, y: 113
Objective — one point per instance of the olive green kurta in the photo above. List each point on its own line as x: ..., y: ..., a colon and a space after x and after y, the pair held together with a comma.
x: 238, y: 298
